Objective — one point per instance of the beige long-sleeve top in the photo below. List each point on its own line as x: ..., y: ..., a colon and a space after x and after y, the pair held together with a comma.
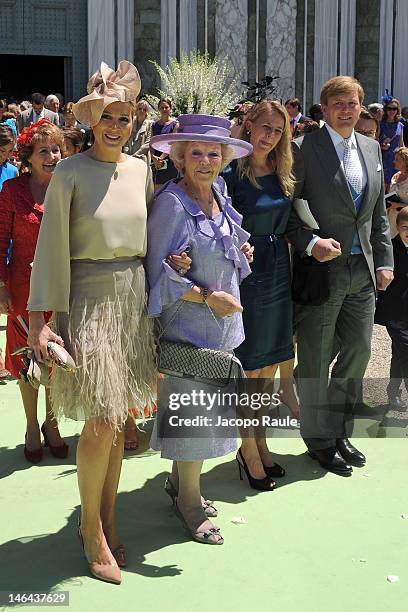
x: 93, y: 210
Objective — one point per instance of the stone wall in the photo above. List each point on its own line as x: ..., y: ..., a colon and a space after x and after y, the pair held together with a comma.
x: 300, y: 33
x: 147, y: 42
x: 231, y: 31
x: 367, y: 47
x: 281, y: 44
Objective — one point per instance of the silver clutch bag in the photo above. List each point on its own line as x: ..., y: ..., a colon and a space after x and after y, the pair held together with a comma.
x: 200, y: 364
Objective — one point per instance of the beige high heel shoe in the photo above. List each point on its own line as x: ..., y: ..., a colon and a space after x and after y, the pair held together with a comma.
x: 107, y: 573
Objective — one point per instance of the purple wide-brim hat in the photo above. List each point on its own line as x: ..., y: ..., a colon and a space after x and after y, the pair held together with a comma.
x: 202, y: 128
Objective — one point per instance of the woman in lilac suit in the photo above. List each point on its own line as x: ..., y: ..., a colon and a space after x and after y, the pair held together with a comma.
x: 201, y: 308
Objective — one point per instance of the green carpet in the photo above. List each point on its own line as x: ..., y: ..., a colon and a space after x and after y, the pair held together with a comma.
x: 318, y: 543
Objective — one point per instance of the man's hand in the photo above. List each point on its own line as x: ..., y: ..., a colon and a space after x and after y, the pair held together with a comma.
x: 384, y: 278
x: 180, y: 263
x: 248, y: 251
x: 326, y: 249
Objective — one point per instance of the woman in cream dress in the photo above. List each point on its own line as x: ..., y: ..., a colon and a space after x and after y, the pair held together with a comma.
x: 88, y: 271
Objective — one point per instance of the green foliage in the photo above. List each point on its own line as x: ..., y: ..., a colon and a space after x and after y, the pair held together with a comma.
x: 197, y: 84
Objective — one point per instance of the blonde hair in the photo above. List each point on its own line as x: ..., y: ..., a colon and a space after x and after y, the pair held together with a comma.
x: 178, y: 149
x: 280, y: 158
x: 402, y: 216
x: 339, y: 86
x: 402, y: 153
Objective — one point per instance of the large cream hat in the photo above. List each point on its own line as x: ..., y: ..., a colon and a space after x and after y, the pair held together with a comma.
x: 105, y: 87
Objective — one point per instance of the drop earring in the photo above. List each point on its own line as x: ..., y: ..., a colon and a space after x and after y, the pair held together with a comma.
x: 248, y: 132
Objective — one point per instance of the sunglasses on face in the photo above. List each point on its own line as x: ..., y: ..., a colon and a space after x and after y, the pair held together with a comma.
x: 393, y: 108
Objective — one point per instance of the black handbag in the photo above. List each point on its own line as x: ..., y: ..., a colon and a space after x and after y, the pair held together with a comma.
x: 310, y: 281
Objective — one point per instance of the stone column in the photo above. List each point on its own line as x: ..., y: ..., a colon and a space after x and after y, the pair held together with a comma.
x: 325, y: 54
x: 368, y: 47
x: 231, y: 30
x: 147, y: 42
x: 168, y: 30
x: 101, y: 34
x: 126, y: 29
x: 386, y: 36
x: 347, y: 36
x: 188, y: 26
x: 400, y: 89
x: 281, y: 45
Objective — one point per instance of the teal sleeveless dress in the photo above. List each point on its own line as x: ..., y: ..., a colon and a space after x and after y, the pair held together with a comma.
x: 266, y: 293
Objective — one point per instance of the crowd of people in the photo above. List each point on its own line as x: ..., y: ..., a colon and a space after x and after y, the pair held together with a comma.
x: 129, y: 241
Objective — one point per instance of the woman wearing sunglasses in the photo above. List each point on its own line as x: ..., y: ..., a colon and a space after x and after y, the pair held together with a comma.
x: 391, y: 137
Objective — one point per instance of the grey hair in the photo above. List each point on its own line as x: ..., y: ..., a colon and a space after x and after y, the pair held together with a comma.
x: 375, y: 106
x: 49, y: 99
x: 177, y: 150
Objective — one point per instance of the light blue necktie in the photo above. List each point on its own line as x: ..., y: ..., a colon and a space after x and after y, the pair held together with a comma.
x: 352, y: 168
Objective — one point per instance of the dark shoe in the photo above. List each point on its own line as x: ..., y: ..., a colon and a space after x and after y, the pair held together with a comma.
x: 331, y: 461
x: 207, y: 504
x: 119, y: 554
x: 33, y: 456
x: 397, y: 402
x: 259, y: 484
x: 276, y: 470
x: 349, y: 452
x: 58, y: 451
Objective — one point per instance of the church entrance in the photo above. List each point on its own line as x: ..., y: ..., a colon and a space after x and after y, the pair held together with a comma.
x: 43, y: 47
x: 22, y: 75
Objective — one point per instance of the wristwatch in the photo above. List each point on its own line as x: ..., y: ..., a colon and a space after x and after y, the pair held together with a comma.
x: 2, y: 284
x: 204, y: 293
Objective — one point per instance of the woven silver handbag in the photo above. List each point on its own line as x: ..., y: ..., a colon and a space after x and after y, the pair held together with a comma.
x: 210, y: 366
x: 201, y: 364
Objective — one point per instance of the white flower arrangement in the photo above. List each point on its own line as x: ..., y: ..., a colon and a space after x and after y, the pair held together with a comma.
x: 197, y: 84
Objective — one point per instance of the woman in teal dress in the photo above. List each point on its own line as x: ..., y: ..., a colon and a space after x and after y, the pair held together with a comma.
x: 261, y: 189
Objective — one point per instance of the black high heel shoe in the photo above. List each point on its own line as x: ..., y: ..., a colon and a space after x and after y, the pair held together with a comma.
x: 259, y: 484
x: 276, y: 470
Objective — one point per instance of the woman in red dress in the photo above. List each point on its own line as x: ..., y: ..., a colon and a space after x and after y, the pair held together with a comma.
x: 21, y: 211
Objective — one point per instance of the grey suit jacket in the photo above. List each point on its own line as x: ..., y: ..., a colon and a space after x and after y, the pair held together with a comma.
x: 139, y: 141
x: 321, y: 181
x: 26, y: 117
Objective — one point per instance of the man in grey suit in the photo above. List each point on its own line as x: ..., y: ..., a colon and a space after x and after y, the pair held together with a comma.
x: 339, y: 173
x: 36, y: 113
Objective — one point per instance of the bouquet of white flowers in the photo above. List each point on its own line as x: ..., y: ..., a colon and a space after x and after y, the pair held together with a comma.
x: 197, y: 84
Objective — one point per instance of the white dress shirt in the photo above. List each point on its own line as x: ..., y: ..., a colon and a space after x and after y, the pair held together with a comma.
x: 38, y: 117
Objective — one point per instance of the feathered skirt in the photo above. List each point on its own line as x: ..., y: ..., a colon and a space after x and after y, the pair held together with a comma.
x: 109, y: 335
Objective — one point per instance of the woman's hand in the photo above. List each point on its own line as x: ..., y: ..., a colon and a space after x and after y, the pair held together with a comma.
x: 223, y: 304
x: 39, y: 335
x: 180, y: 263
x: 385, y: 145
x: 248, y: 251
x: 6, y: 305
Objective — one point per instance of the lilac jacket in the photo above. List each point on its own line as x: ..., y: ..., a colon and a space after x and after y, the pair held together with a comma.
x: 176, y: 224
